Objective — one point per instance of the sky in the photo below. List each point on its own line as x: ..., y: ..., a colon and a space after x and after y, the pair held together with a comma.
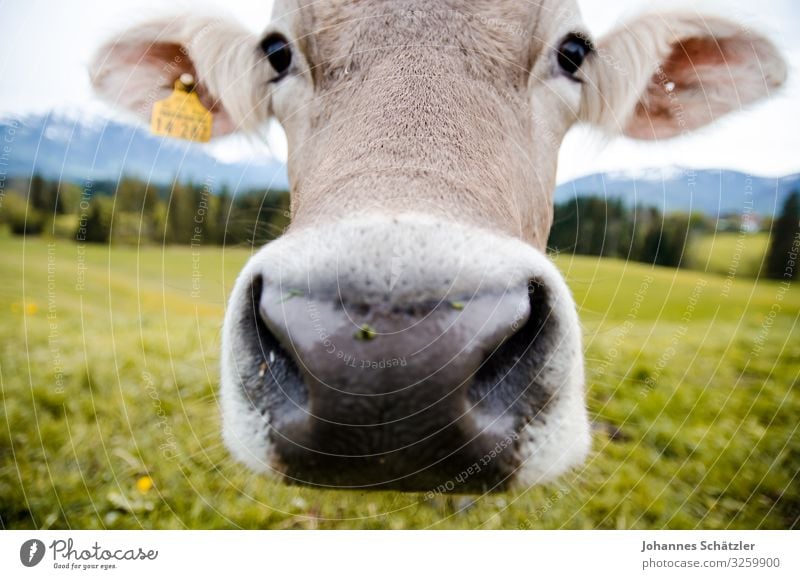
x: 46, y: 46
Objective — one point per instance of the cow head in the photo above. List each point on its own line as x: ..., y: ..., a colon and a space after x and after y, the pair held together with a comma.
x: 408, y: 329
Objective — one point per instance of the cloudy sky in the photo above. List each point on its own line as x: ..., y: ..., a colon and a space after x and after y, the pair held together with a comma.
x: 46, y: 45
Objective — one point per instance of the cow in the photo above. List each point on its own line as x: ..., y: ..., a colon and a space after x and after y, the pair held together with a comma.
x: 408, y: 330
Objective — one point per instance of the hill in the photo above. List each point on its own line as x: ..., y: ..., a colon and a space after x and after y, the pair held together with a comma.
x: 66, y: 148
x: 713, y: 192
x: 70, y: 147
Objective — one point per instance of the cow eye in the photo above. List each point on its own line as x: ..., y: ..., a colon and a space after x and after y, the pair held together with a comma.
x: 278, y: 52
x: 572, y: 51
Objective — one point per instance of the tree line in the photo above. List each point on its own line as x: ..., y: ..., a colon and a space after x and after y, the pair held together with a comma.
x: 783, y: 257
x: 607, y: 227
x: 136, y: 211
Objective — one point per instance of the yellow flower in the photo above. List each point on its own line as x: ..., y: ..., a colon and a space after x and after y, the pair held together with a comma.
x: 144, y: 484
x: 31, y: 309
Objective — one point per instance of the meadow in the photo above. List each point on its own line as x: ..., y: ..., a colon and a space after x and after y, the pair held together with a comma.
x: 108, y: 410
x: 720, y: 253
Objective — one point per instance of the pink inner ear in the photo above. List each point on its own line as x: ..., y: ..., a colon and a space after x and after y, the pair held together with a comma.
x: 702, y: 79
x: 699, y: 52
x: 162, y: 63
x: 166, y: 52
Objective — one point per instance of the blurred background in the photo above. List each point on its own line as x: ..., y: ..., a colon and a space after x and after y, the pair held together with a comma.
x: 676, y: 252
x: 63, y: 137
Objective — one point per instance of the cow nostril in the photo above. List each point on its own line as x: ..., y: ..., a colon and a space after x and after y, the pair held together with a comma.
x: 256, y: 288
x: 270, y: 377
x: 265, y: 340
x: 508, y: 383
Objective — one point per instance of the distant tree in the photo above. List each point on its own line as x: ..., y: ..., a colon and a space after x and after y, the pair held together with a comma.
x: 37, y: 192
x: 57, y: 204
x: 674, y: 241
x: 258, y: 217
x: 666, y: 240
x: 96, y: 228
x: 179, y: 215
x: 130, y: 195
x: 617, y: 230
x: 69, y: 196
x: 21, y: 218
x: 44, y: 196
x: 563, y: 234
x: 784, y: 241
x: 151, y: 201
x: 592, y: 226
x: 650, y: 245
x: 219, y: 215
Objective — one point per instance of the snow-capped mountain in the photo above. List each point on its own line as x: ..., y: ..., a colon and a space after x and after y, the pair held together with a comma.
x: 78, y: 149
x: 713, y: 192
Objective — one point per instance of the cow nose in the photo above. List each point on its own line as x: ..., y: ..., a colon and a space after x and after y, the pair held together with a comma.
x: 388, y: 386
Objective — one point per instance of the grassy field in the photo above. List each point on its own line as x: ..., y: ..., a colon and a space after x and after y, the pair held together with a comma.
x: 721, y: 252
x: 108, y: 416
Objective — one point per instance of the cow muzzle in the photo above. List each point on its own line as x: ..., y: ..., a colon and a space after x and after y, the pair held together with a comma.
x: 365, y: 375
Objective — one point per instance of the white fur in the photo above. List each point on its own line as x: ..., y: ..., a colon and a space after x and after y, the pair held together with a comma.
x: 244, y: 430
x: 466, y: 260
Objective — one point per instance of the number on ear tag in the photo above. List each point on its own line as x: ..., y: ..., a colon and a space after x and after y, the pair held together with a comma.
x: 181, y: 115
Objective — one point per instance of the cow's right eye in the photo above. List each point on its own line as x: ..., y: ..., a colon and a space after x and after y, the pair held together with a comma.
x: 278, y: 52
x: 572, y: 52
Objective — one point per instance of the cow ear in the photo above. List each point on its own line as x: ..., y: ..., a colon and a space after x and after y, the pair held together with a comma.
x: 138, y: 67
x: 664, y: 75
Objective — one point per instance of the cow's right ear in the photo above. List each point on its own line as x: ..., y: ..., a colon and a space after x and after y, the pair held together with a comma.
x: 662, y: 75
x: 138, y: 67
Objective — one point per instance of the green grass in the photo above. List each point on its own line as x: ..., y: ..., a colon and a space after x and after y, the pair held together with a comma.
x: 692, y: 383
x: 723, y: 253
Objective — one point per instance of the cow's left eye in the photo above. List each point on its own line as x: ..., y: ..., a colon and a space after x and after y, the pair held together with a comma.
x: 278, y: 52
x: 572, y: 51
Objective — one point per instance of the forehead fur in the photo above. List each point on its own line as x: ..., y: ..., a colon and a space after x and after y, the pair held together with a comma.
x: 421, y: 103
x: 416, y: 35
x: 489, y: 40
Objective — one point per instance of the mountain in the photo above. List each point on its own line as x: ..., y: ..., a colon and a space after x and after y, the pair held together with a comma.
x: 76, y: 149
x: 714, y: 192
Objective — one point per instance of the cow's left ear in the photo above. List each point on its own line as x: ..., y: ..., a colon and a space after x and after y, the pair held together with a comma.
x: 138, y: 67
x: 663, y: 75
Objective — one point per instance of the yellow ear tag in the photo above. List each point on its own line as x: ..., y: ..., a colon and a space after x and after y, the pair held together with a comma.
x: 181, y: 115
